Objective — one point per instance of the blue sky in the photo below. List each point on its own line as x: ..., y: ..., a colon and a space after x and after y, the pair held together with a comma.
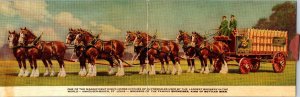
x: 115, y: 17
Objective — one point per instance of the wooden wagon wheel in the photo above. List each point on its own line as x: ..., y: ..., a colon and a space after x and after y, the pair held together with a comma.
x: 279, y: 62
x: 255, y: 65
x: 217, y: 65
x: 245, y: 65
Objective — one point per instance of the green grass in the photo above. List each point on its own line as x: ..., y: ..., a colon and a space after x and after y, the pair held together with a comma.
x: 264, y: 77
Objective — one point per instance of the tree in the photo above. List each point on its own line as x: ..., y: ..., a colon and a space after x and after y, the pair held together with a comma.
x: 283, y: 17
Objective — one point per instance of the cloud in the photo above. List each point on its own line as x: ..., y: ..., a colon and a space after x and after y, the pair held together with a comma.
x: 49, y: 33
x: 26, y: 9
x: 6, y: 8
x: 108, y: 31
x: 67, y: 20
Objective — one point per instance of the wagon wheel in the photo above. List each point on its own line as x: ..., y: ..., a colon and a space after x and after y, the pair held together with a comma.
x: 217, y: 65
x: 255, y: 65
x: 279, y: 62
x: 245, y: 65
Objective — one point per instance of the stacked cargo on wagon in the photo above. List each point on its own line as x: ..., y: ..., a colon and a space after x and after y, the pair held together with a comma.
x: 253, y: 46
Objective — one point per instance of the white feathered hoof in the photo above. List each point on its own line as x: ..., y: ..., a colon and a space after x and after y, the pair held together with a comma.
x: 83, y: 73
x: 52, y: 73
x: 26, y: 73
x: 202, y: 70
x: 63, y: 74
x: 46, y: 73
x: 36, y: 73
x: 189, y: 69
x: 32, y: 73
x: 21, y: 72
x: 163, y: 71
x: 152, y: 73
x: 111, y: 72
x: 174, y: 71
x: 179, y: 72
x: 80, y: 72
x: 206, y: 70
x: 212, y: 69
x: 224, y: 70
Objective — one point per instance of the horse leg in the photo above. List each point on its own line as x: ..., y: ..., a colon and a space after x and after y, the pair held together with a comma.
x: 143, y: 65
x: 151, y: 63
x: 206, y: 69
x: 189, y: 65
x: 94, y: 69
x: 51, y: 67
x: 62, y: 72
x: 192, y: 65
x: 46, y: 67
x: 121, y: 67
x: 224, y: 69
x: 212, y: 68
x: 202, y: 64
x: 82, y: 62
x: 32, y: 68
x: 177, y: 59
x: 162, y: 71
x: 26, y: 71
x: 168, y: 66
x: 111, y: 66
x: 36, y: 73
x: 21, y: 72
x: 174, y: 64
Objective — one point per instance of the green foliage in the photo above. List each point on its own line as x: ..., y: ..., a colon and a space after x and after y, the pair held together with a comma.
x: 283, y: 17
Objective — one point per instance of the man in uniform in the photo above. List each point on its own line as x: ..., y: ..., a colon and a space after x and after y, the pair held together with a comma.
x: 223, y: 29
x: 233, y: 24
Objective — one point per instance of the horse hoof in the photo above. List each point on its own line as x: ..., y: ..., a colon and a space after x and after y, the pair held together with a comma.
x: 162, y: 72
x: 110, y: 73
x: 179, y: 73
x: 52, y: 74
x: 46, y: 74
x: 223, y: 72
x: 173, y: 73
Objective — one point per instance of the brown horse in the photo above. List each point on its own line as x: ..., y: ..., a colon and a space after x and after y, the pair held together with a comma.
x: 43, y: 50
x: 19, y: 53
x: 188, y: 49
x: 215, y: 51
x: 140, y: 50
x: 79, y: 49
x: 160, y: 49
x: 112, y: 51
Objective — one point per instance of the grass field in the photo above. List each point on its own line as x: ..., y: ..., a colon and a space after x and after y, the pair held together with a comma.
x: 264, y: 77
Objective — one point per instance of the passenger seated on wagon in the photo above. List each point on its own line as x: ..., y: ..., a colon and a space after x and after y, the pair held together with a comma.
x: 223, y: 29
x: 233, y: 25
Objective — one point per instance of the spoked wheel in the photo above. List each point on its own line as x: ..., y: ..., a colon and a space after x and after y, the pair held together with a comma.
x: 255, y: 65
x: 245, y: 65
x: 279, y: 62
x: 217, y: 65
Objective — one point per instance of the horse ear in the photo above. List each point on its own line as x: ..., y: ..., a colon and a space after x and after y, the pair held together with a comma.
x: 9, y: 32
x: 25, y: 28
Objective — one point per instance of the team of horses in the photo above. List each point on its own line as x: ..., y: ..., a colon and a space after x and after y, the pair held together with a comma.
x: 88, y: 48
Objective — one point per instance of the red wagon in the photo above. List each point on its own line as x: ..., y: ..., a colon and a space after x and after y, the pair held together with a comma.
x: 249, y: 47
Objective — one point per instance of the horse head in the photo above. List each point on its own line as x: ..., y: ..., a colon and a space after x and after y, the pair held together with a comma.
x: 138, y: 40
x: 182, y: 36
x: 71, y: 35
x: 13, y: 39
x: 79, y: 38
x: 130, y: 37
x: 196, y: 38
x: 26, y: 36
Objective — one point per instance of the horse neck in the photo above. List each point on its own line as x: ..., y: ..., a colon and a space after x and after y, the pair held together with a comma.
x: 87, y: 39
x: 186, y: 40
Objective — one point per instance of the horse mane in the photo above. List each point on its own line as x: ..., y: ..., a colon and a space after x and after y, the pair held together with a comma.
x: 28, y: 32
